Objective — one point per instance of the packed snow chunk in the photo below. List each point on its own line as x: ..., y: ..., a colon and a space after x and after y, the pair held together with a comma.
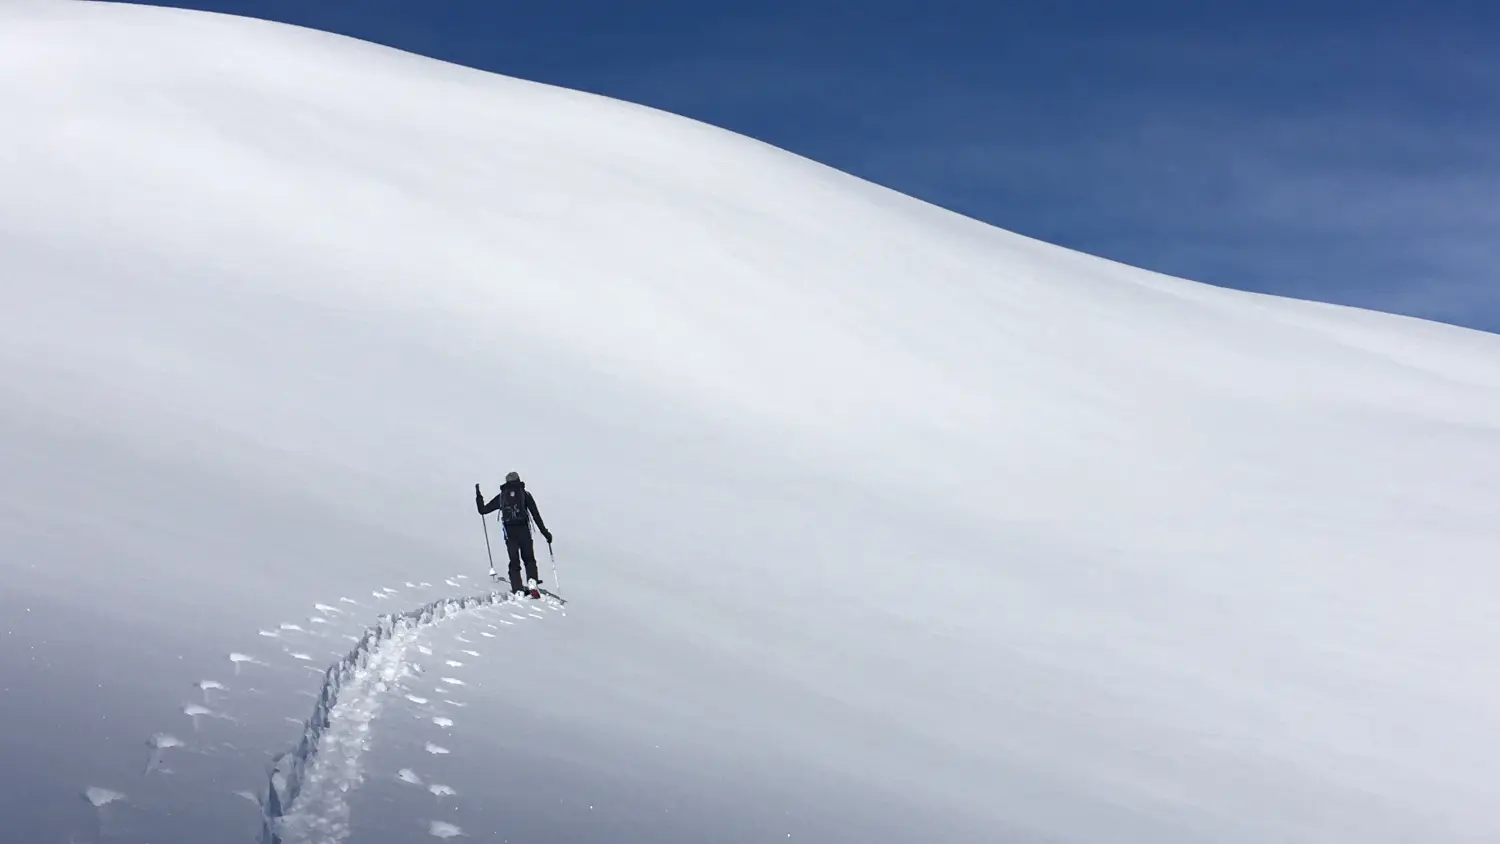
x: 407, y: 775
x: 454, y: 703
x: 327, y: 610
x: 292, y: 627
x: 209, y: 686
x: 300, y: 656
x: 453, y: 663
x: 439, y: 790
x: 452, y: 681
x: 442, y: 722
x: 424, y: 650
x: 101, y: 797
x: 442, y: 829
x: 486, y: 634
x: 436, y: 750
x: 417, y: 700
x: 468, y: 652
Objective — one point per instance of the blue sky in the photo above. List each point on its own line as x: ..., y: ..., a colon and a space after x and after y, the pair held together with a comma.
x: 1348, y: 152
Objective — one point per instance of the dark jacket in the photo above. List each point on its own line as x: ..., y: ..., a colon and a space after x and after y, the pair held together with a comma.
x: 494, y: 505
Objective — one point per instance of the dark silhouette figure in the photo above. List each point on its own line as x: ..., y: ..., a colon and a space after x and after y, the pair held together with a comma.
x: 517, y: 511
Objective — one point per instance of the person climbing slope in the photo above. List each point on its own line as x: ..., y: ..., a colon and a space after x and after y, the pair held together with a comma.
x: 517, y: 510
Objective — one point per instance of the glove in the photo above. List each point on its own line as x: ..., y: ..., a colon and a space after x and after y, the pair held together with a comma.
x: 548, y: 535
x: 478, y: 497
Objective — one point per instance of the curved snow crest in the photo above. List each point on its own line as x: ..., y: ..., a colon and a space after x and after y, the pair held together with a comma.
x: 306, y: 801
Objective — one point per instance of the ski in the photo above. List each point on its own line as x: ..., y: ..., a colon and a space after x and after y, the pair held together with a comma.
x: 533, y: 588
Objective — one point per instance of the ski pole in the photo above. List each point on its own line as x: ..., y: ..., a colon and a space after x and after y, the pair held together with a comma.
x: 555, y: 583
x: 486, y: 526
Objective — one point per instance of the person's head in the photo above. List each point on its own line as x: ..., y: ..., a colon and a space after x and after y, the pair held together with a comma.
x: 512, y: 477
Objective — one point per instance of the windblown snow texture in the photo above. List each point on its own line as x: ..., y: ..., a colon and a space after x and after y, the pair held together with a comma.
x: 307, y: 795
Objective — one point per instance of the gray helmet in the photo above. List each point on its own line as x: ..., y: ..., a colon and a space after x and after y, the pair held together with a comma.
x: 513, y: 476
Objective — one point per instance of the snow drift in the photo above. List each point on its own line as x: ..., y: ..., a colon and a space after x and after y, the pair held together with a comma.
x: 878, y: 523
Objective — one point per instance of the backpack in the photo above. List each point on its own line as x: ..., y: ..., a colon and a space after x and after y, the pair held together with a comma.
x: 513, y: 505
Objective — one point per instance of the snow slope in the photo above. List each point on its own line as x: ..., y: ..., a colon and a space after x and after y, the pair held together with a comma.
x: 878, y: 523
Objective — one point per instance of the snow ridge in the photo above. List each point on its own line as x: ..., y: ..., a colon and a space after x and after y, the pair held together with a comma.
x: 306, y: 797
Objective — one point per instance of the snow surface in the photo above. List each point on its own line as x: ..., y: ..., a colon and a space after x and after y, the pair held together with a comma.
x: 877, y: 523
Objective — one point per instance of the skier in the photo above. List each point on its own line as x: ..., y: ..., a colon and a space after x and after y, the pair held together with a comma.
x: 517, y: 509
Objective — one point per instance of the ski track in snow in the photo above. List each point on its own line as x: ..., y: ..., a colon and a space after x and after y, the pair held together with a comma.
x: 307, y: 796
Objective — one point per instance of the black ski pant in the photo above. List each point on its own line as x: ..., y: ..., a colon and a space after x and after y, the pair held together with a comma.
x: 519, y: 546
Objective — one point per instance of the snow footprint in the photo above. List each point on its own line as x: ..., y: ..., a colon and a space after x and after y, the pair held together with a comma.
x: 197, y: 712
x: 243, y: 659
x: 102, y: 799
x: 160, y: 744
x: 407, y: 775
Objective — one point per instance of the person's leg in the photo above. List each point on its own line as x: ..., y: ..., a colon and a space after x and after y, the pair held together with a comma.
x: 513, y: 549
x: 528, y: 553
